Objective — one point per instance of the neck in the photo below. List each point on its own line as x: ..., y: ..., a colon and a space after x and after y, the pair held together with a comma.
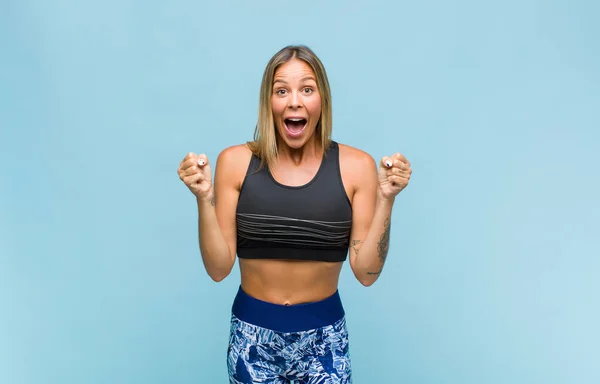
x: 312, y: 149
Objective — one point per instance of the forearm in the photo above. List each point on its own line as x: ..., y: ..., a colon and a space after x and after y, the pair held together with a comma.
x: 216, y: 254
x: 373, y: 251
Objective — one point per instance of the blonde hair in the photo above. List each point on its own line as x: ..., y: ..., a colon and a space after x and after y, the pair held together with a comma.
x: 264, y: 145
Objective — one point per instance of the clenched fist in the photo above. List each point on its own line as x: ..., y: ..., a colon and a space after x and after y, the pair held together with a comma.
x: 195, y: 172
x: 394, y: 174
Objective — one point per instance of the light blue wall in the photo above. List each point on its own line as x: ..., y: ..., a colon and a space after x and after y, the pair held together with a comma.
x: 493, y: 274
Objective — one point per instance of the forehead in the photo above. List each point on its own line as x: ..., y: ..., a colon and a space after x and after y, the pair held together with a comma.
x: 294, y: 69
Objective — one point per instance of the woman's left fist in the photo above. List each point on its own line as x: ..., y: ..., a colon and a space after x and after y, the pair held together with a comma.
x: 394, y: 174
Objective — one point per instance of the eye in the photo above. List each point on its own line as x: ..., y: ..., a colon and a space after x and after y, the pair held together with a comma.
x: 308, y: 90
x: 280, y: 92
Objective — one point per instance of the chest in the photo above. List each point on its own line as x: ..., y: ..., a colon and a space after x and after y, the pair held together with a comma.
x: 306, y: 203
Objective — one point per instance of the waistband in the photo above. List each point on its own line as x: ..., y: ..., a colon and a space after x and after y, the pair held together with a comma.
x: 287, y: 318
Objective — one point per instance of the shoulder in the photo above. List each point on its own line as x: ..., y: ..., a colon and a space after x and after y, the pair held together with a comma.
x: 235, y: 152
x: 357, y: 166
x: 233, y: 162
x: 358, y: 159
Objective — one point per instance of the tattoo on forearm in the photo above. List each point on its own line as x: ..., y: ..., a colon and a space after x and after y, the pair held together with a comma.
x: 384, y: 242
x: 213, y: 201
x: 355, y: 244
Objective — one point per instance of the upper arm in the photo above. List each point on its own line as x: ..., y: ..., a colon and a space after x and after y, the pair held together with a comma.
x: 361, y: 172
x: 230, y: 170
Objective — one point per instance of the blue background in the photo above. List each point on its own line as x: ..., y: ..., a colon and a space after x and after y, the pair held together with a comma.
x: 493, y: 274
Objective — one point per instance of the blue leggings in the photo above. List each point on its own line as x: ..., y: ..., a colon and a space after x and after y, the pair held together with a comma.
x: 275, y: 344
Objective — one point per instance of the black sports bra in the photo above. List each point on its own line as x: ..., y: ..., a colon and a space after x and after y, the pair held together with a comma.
x: 308, y: 222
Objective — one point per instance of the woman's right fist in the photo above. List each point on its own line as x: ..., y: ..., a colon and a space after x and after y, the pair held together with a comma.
x: 194, y: 171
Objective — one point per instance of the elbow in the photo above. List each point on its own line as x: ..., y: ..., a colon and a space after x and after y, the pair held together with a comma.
x: 219, y: 275
x: 217, y: 269
x: 368, y: 278
x: 367, y: 282
x: 218, y: 278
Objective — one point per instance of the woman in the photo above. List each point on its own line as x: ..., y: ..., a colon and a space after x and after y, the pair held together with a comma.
x: 291, y: 205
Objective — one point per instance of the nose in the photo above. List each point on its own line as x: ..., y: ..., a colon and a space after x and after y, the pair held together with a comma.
x: 294, y: 100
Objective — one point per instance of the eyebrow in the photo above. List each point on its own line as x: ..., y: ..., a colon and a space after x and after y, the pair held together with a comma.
x: 305, y: 78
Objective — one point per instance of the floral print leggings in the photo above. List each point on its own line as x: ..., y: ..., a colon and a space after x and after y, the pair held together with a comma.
x: 315, y: 356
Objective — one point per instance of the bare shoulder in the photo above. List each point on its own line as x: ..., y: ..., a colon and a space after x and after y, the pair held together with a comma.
x: 357, y: 159
x: 232, y: 163
x: 357, y: 167
x: 235, y: 152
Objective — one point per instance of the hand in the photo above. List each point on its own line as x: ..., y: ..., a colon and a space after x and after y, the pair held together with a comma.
x: 195, y: 172
x: 394, y: 174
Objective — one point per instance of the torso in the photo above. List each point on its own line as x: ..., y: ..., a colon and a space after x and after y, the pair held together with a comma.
x: 290, y: 282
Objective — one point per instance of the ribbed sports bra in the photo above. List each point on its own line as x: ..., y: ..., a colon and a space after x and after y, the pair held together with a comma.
x: 308, y: 222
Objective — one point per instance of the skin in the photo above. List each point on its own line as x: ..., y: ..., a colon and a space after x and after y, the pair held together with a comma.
x: 370, y: 189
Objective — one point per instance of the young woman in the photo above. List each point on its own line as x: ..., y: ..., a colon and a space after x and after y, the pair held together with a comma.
x: 292, y: 204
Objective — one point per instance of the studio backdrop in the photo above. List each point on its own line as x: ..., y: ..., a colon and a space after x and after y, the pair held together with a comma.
x: 492, y: 273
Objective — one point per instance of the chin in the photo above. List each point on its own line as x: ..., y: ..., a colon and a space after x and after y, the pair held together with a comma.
x: 296, y: 140
x: 295, y: 143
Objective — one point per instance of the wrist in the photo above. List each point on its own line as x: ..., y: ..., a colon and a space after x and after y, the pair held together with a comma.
x: 383, y: 199
x: 205, y: 200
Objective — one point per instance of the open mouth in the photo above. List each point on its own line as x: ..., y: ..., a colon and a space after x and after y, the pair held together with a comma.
x: 295, y: 126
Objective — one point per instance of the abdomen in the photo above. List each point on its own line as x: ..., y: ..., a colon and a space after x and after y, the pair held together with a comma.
x: 289, y: 281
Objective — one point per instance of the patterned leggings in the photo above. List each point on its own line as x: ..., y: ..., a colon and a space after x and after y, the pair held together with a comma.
x: 257, y: 354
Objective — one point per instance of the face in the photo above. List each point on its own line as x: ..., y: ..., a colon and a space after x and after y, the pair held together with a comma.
x: 296, y: 102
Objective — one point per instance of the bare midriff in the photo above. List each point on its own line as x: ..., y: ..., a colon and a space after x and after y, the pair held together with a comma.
x: 289, y: 282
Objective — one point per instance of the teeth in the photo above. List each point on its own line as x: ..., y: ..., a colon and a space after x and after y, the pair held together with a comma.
x: 296, y: 119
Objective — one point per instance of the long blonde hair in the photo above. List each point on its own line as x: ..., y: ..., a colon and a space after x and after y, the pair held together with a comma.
x: 264, y: 145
